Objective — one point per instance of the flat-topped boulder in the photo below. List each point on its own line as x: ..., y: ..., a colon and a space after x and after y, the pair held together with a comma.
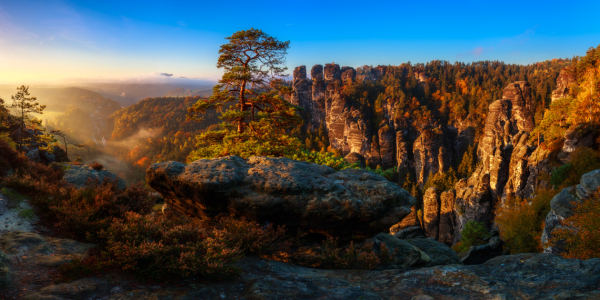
x: 78, y: 175
x: 349, y: 204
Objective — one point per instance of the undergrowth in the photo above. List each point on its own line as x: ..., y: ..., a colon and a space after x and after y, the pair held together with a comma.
x: 133, y: 235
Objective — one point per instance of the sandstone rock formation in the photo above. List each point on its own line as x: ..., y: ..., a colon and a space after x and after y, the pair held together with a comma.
x: 561, y: 206
x: 80, y: 175
x: 563, y: 84
x: 411, y: 220
x: 447, y: 217
x: 431, y: 213
x: 429, y: 154
x: 349, y: 204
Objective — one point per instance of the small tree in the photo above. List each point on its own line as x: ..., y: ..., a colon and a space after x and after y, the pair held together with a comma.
x: 66, y: 143
x: 24, y: 106
x: 250, y: 95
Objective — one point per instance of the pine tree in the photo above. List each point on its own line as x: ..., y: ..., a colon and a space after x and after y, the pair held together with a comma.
x: 250, y: 95
x: 24, y: 106
x: 467, y: 165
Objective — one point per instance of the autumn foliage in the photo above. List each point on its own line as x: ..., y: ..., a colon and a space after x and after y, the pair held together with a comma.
x: 521, y: 221
x: 579, y: 234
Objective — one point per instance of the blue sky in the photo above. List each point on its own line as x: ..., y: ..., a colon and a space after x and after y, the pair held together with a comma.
x: 66, y: 41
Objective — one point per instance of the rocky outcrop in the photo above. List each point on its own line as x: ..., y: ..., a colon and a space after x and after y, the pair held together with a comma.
x: 21, y: 252
x: 349, y: 204
x: 431, y: 213
x: 482, y: 253
x: 405, y: 255
x: 518, y: 169
x: 522, y: 115
x: 411, y: 220
x: 474, y: 201
x: 576, y: 138
x: 439, y: 254
x: 386, y: 147
x: 563, y: 84
x: 447, y: 217
x: 539, y: 165
x: 354, y: 157
x: 562, y: 207
x: 523, y: 276
x: 410, y: 233
x: 79, y: 175
x: 428, y: 154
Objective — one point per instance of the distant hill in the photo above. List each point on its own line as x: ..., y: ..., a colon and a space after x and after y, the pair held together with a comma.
x: 182, y: 92
x: 167, y: 114
x: 58, y: 99
x: 130, y: 93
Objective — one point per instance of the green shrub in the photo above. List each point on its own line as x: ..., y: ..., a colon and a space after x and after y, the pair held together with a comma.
x: 14, y: 198
x: 323, y: 158
x: 390, y: 174
x: 561, y: 174
x: 474, y: 234
x: 26, y: 214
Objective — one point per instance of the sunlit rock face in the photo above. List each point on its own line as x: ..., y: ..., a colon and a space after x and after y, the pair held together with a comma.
x: 563, y: 84
x: 504, y: 152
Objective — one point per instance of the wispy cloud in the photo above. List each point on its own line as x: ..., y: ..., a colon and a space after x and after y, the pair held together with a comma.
x: 508, y: 44
x: 521, y: 38
x: 474, y: 53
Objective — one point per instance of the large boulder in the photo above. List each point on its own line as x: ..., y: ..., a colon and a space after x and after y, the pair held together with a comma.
x: 439, y: 253
x: 482, y: 253
x: 404, y: 255
x: 349, y: 204
x: 78, y: 175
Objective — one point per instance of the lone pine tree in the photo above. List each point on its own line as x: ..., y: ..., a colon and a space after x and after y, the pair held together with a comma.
x: 24, y: 106
x: 251, y: 99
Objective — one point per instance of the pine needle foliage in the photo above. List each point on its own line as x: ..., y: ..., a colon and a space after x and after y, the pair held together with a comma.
x: 257, y: 119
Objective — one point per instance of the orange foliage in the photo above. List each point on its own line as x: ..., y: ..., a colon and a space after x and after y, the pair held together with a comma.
x: 144, y: 162
x: 580, y: 233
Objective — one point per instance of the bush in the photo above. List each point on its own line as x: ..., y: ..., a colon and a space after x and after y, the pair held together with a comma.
x: 252, y: 238
x: 82, y: 213
x: 561, y: 174
x: 584, y: 160
x: 474, y: 234
x: 96, y: 166
x: 390, y: 174
x: 521, y: 221
x: 157, y: 247
x: 323, y: 158
x: 580, y: 233
x: 9, y: 157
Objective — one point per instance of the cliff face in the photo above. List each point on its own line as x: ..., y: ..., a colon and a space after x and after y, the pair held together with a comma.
x: 507, y: 165
x: 350, y: 128
x: 563, y: 83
